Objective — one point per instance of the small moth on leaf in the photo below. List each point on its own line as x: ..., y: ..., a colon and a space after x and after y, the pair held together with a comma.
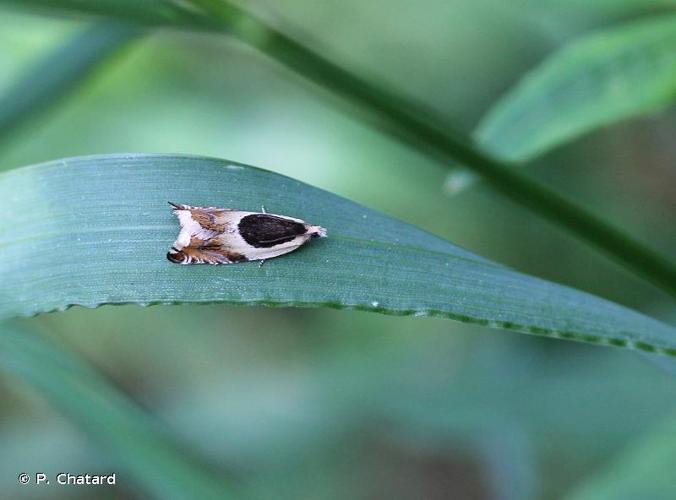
x: 211, y: 235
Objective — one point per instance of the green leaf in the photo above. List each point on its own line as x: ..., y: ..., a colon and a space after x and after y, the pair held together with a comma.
x: 645, y: 470
x: 60, y: 71
x: 613, y: 75
x: 599, y: 7
x: 139, y: 444
x: 406, y: 120
x: 95, y: 230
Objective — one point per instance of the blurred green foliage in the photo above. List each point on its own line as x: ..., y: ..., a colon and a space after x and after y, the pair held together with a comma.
x: 612, y: 75
x: 337, y: 404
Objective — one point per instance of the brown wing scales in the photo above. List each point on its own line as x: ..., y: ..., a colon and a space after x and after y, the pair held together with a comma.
x: 205, y: 254
x: 207, y: 219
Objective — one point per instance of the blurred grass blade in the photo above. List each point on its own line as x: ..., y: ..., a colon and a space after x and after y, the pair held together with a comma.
x: 601, y: 8
x: 601, y: 79
x: 645, y: 470
x: 60, y: 72
x: 143, y: 449
x: 95, y: 230
x: 151, y: 12
x: 413, y: 123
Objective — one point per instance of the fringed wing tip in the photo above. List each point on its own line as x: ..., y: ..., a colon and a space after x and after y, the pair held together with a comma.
x: 178, y: 206
x: 188, y: 255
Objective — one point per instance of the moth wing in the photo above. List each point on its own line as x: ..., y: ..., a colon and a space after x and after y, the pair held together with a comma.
x: 198, y: 241
x: 269, y: 253
x: 226, y: 219
x: 268, y: 230
x: 181, y: 206
x: 208, y: 220
x: 213, y: 251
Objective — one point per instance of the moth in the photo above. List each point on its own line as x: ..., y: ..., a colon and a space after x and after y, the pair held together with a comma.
x: 211, y: 235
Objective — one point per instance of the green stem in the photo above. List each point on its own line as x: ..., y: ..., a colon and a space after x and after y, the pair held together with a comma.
x: 407, y: 119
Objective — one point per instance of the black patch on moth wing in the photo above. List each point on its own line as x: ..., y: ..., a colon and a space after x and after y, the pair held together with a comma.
x: 265, y: 231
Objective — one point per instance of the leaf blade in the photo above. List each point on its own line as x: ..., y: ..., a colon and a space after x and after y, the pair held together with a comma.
x: 95, y: 230
x: 613, y: 75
